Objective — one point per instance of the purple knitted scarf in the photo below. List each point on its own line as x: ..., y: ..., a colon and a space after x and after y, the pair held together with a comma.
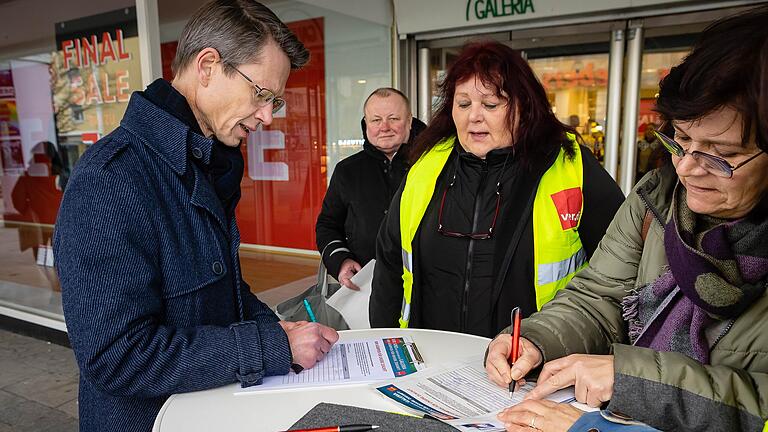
x: 720, y: 268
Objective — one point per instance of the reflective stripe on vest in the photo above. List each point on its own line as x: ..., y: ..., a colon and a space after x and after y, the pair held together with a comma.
x: 556, y: 257
x: 419, y: 187
x: 557, y: 251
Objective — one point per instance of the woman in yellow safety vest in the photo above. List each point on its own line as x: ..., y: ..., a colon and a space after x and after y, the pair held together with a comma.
x: 500, y: 209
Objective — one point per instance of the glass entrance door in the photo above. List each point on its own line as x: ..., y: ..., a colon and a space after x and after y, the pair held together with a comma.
x: 573, y: 63
x: 668, y: 39
x: 577, y: 89
x: 650, y: 153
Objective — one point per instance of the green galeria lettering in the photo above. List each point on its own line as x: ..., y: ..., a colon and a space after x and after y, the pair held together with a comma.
x: 498, y: 8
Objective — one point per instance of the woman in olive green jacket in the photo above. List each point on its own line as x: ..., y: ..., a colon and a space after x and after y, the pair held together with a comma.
x: 669, y: 323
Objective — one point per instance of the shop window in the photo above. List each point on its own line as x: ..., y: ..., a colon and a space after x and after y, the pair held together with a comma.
x: 577, y: 89
x: 53, y: 105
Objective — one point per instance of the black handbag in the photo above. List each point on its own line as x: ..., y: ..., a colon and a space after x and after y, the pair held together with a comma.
x: 317, y: 295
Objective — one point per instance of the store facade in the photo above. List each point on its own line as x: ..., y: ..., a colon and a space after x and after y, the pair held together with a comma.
x: 66, y: 75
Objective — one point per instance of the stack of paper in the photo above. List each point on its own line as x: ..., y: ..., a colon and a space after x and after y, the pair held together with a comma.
x: 353, y: 305
x: 460, y: 395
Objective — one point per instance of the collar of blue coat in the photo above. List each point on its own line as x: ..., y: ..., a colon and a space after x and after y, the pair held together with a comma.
x: 165, y: 134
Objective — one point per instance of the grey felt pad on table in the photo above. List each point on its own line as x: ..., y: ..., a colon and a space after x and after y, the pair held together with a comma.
x: 325, y: 414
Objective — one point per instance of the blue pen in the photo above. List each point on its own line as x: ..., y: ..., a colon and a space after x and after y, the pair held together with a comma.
x: 309, y: 311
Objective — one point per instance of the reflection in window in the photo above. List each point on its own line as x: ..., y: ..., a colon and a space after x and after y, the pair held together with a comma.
x: 53, y: 105
x: 650, y: 152
x: 577, y: 89
x: 576, y: 86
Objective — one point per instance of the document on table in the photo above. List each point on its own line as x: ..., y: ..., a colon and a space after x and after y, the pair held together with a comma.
x: 460, y: 395
x: 351, y: 362
x: 353, y: 305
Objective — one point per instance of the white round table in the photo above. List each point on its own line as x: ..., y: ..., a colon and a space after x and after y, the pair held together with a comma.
x: 220, y: 410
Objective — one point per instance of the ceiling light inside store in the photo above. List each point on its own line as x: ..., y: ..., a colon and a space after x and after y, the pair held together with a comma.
x: 361, y: 81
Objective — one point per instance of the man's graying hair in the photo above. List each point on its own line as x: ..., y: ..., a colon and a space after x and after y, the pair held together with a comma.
x: 238, y: 30
x: 387, y: 92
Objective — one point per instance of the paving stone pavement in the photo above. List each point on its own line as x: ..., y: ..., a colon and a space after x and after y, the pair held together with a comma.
x: 38, y: 385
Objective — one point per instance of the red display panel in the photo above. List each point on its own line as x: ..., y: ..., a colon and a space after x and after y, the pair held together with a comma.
x: 31, y: 194
x: 35, y: 195
x: 167, y: 53
x: 285, y: 174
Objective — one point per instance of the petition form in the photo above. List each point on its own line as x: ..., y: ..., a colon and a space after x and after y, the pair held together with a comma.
x: 352, y: 362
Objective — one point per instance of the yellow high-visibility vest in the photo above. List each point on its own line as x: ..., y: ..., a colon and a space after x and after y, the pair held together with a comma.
x: 557, y: 208
x: 557, y: 251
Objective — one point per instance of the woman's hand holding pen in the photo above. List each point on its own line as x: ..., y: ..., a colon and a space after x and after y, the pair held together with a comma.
x: 497, y: 364
x: 309, y: 341
x: 591, y: 376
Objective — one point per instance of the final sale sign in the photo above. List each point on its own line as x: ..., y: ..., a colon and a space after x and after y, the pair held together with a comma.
x: 94, y: 70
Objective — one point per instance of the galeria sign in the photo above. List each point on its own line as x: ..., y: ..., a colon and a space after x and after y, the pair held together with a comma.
x: 482, y: 9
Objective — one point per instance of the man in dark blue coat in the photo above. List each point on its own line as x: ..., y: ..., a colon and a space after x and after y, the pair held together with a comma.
x: 146, y: 240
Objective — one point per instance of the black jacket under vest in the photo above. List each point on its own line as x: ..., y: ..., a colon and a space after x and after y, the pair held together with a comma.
x: 461, y: 284
x: 357, y: 199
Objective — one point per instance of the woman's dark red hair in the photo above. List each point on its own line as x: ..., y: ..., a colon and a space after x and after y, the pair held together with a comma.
x: 501, y: 68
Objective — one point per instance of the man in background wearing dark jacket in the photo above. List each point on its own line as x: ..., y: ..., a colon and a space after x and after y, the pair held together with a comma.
x: 363, y: 184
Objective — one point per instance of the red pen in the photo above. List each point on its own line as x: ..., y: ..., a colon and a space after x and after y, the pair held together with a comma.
x: 342, y: 428
x: 514, y: 353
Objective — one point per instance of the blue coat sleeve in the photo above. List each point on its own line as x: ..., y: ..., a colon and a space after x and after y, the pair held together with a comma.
x: 255, y: 309
x: 108, y: 259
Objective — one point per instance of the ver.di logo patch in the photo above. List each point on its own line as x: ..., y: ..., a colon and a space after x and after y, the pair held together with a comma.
x: 568, y: 205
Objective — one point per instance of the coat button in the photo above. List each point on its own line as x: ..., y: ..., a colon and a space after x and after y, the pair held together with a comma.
x: 197, y: 153
x: 218, y: 268
x: 386, y: 211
